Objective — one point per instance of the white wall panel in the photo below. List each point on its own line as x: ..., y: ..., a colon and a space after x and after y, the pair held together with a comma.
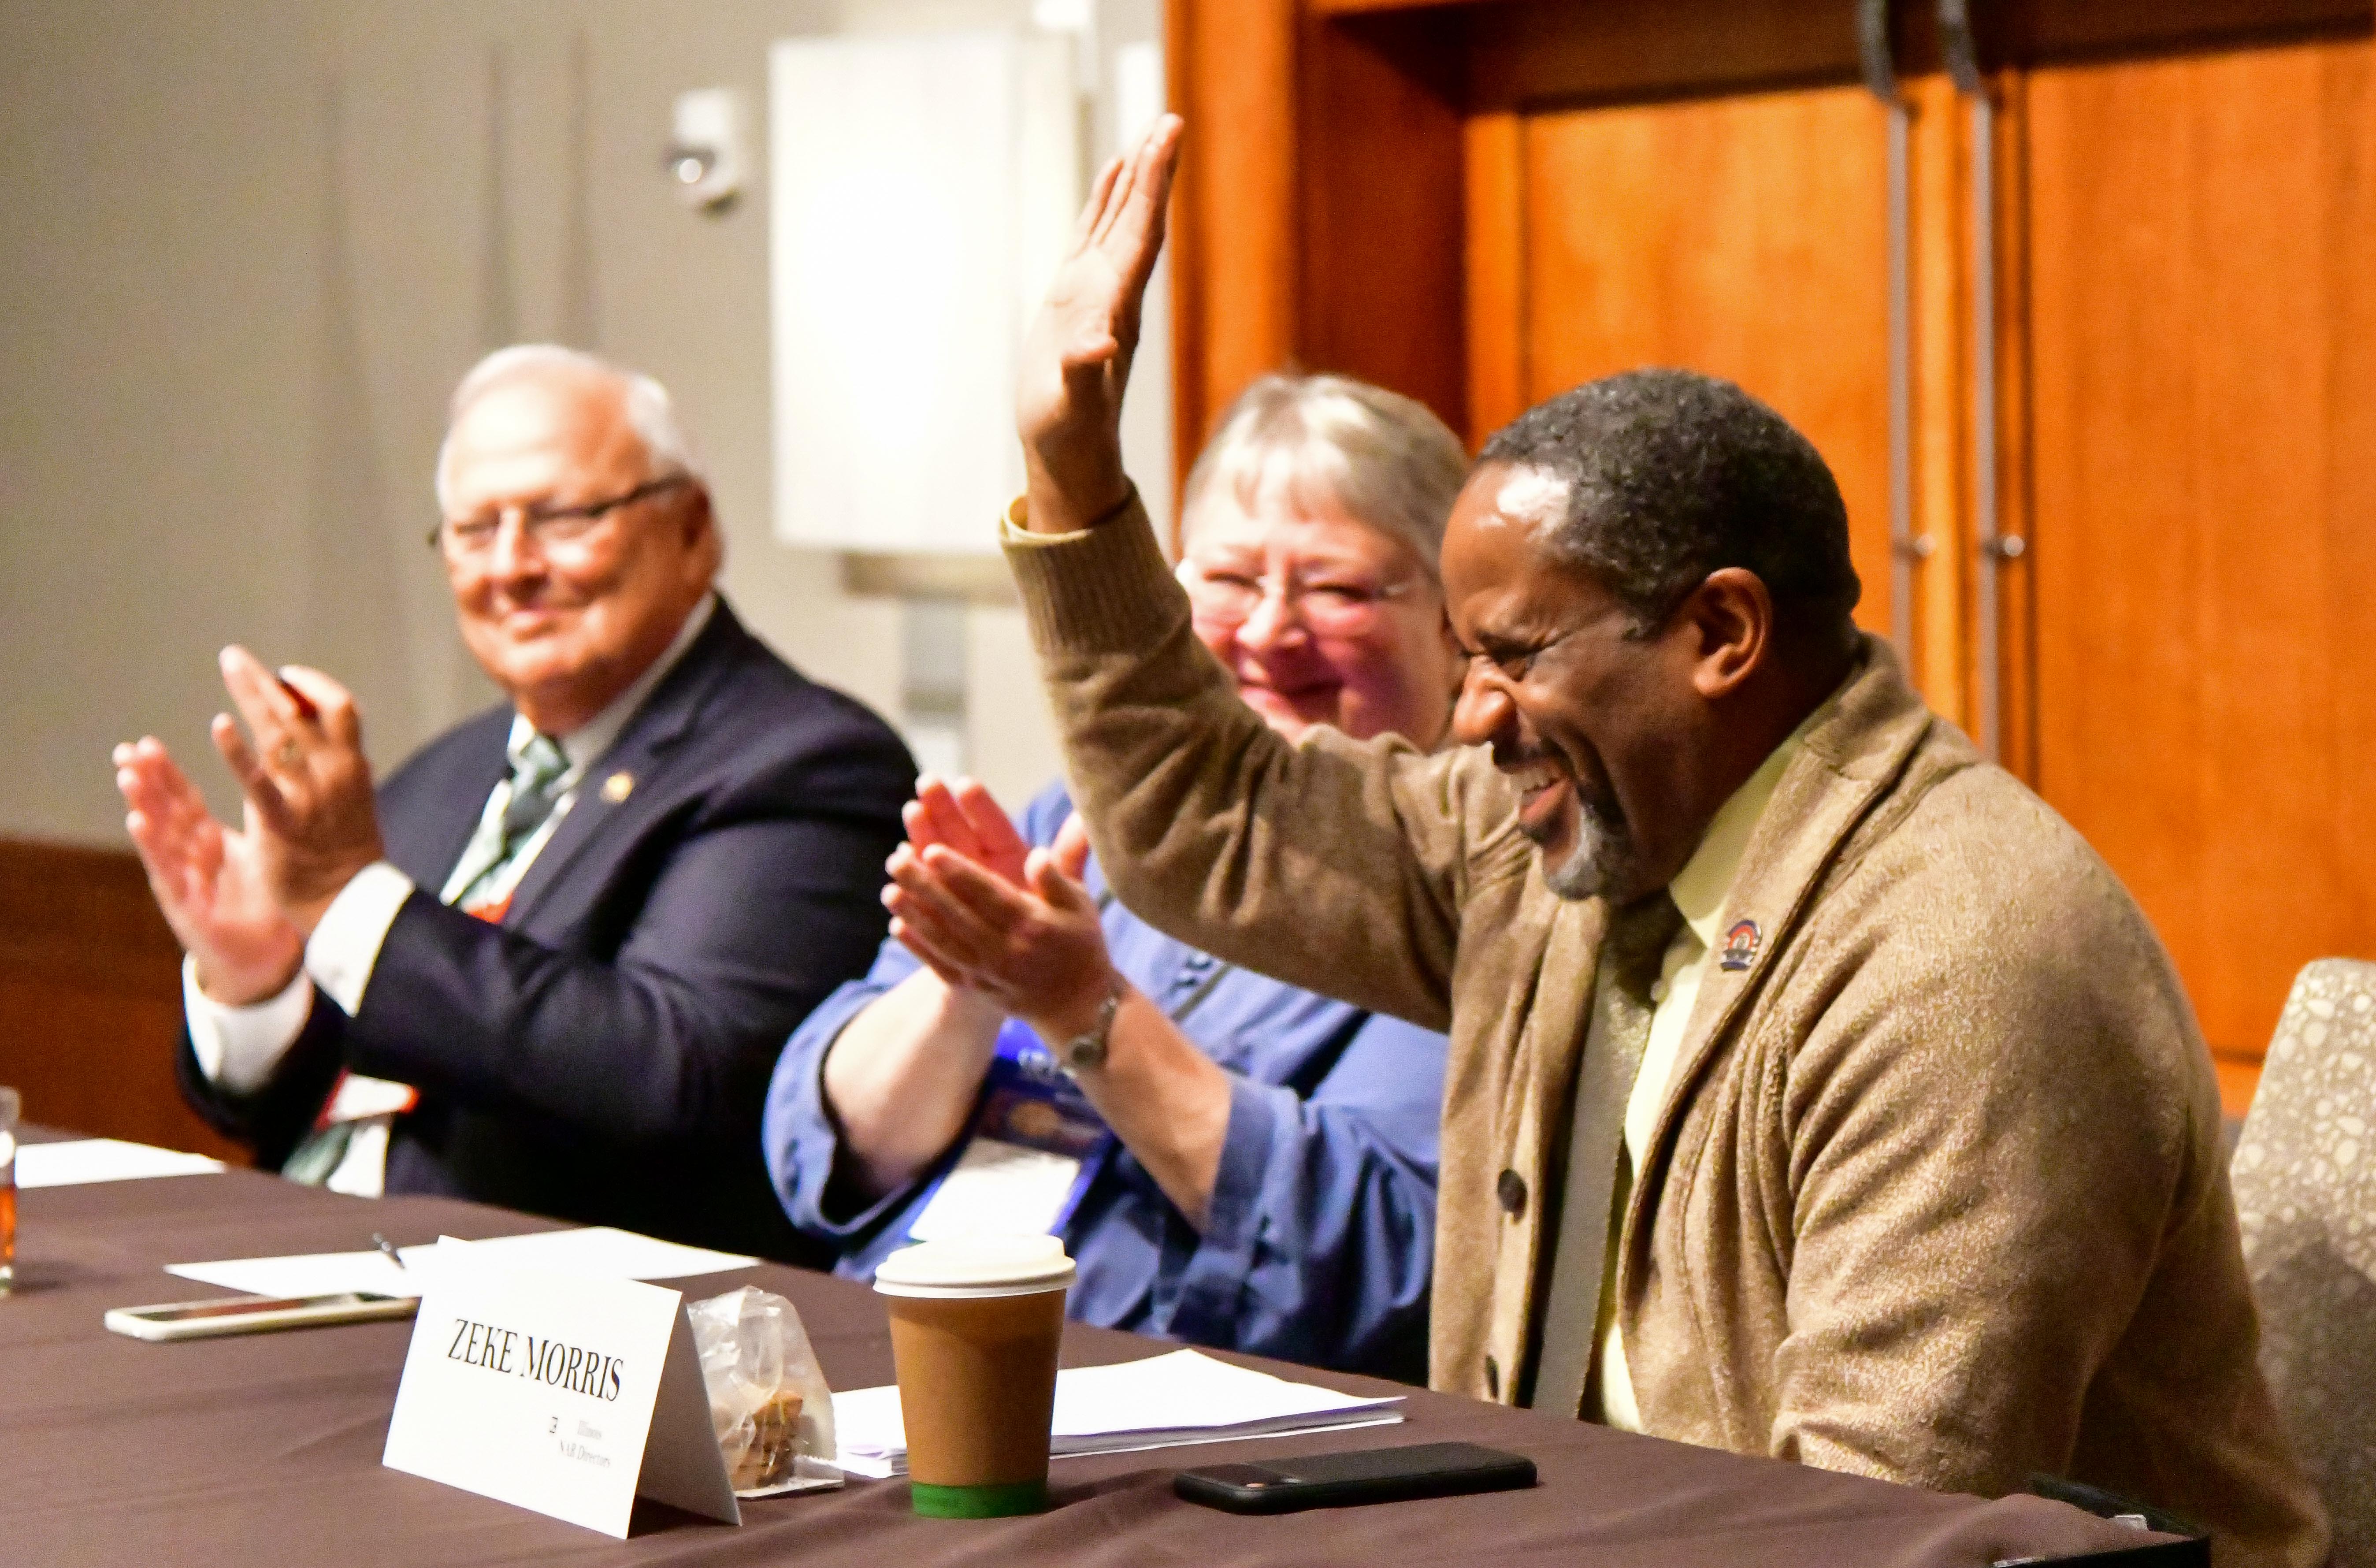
x: 922, y: 190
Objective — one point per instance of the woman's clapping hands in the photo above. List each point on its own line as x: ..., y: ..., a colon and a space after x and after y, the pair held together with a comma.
x: 992, y: 916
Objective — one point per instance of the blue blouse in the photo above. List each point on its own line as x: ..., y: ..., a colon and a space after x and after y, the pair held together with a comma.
x: 1322, y: 1230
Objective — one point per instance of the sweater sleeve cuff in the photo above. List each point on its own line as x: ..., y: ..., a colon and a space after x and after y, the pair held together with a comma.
x: 345, y: 947
x: 1101, y: 590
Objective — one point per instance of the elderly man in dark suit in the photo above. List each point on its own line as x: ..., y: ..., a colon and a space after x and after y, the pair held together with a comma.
x: 549, y: 963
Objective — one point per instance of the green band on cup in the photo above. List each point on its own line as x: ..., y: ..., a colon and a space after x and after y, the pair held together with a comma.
x: 979, y: 1501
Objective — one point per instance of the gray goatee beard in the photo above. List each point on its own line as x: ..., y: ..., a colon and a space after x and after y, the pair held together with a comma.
x: 1605, y: 861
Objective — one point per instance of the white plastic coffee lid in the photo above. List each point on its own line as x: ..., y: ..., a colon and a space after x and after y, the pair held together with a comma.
x: 977, y: 1266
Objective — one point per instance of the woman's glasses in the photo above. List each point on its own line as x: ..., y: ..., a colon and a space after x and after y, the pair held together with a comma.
x: 1219, y: 596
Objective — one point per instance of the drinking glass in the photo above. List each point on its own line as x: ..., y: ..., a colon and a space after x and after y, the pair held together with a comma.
x: 9, y: 1107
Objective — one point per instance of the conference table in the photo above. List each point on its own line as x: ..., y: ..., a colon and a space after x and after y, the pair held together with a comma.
x: 265, y: 1449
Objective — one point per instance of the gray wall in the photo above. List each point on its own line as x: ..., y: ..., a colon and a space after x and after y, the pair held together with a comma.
x: 249, y: 245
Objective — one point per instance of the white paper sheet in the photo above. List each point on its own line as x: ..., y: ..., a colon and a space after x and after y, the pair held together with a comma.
x: 103, y: 1159
x: 1162, y: 1402
x: 608, y: 1253
x: 599, y: 1252
x: 998, y: 1189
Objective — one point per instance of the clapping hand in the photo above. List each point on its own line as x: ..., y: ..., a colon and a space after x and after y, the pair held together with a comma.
x: 964, y: 818
x: 307, y: 784
x: 1076, y: 356
x: 242, y: 901
x: 208, y: 880
x: 994, y: 917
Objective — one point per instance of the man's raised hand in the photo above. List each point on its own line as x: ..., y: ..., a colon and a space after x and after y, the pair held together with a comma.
x: 1076, y: 356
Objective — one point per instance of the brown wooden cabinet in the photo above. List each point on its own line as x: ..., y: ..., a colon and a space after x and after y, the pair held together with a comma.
x: 1483, y: 203
x: 90, y: 998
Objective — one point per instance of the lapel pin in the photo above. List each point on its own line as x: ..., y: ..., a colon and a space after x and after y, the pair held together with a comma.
x: 1740, y: 945
x: 619, y: 786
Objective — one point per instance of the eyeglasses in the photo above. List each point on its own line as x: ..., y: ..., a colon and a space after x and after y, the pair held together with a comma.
x: 1508, y: 662
x: 1221, y: 598
x: 462, y: 538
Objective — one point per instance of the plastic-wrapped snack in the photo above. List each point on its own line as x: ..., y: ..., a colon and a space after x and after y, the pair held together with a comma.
x: 768, y: 1400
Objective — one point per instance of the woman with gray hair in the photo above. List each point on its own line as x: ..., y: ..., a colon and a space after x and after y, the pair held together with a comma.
x: 1231, y: 1161
x: 1336, y: 492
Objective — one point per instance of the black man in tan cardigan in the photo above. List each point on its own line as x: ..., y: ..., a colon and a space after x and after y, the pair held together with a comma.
x: 1814, y: 1090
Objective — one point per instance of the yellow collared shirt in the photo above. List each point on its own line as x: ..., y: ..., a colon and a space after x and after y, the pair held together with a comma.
x: 1699, y: 891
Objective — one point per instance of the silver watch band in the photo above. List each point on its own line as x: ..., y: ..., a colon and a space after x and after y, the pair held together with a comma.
x: 1087, y: 1049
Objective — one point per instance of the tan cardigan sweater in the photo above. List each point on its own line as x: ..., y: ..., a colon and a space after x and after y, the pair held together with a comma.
x: 1936, y: 1194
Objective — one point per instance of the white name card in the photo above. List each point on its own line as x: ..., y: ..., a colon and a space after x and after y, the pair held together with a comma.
x: 560, y: 1394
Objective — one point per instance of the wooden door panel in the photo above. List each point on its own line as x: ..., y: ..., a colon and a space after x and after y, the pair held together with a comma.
x: 2203, y: 397
x: 1743, y: 236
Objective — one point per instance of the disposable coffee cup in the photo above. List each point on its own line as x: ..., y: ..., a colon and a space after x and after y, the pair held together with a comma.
x: 974, y: 1329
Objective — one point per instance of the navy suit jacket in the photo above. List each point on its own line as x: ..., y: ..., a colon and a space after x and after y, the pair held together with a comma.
x: 604, y: 1054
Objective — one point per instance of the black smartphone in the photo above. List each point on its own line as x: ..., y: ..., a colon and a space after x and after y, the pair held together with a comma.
x: 1342, y: 1481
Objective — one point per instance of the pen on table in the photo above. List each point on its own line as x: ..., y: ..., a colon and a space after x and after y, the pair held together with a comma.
x: 384, y: 1245
x: 305, y: 709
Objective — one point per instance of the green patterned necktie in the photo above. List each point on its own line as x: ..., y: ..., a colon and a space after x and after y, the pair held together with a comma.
x: 535, y: 787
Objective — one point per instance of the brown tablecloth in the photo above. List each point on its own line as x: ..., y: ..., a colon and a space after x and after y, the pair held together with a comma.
x: 264, y: 1450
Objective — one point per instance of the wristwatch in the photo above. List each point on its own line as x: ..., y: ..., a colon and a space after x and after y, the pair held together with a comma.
x: 1087, y: 1049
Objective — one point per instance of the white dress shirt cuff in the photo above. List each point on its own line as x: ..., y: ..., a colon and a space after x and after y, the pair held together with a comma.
x: 238, y: 1048
x: 344, y: 947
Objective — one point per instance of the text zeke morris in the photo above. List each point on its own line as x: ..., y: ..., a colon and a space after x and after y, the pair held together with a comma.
x: 547, y: 1361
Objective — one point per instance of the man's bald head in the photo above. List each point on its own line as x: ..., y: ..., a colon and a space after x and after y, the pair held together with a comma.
x: 642, y: 404
x: 577, y: 533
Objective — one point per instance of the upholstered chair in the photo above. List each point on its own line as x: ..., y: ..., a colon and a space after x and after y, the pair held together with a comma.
x: 2305, y: 1175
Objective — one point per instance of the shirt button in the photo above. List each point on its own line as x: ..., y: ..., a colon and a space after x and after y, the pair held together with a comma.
x: 1657, y: 990
x: 1493, y: 1378
x: 1512, y: 1192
